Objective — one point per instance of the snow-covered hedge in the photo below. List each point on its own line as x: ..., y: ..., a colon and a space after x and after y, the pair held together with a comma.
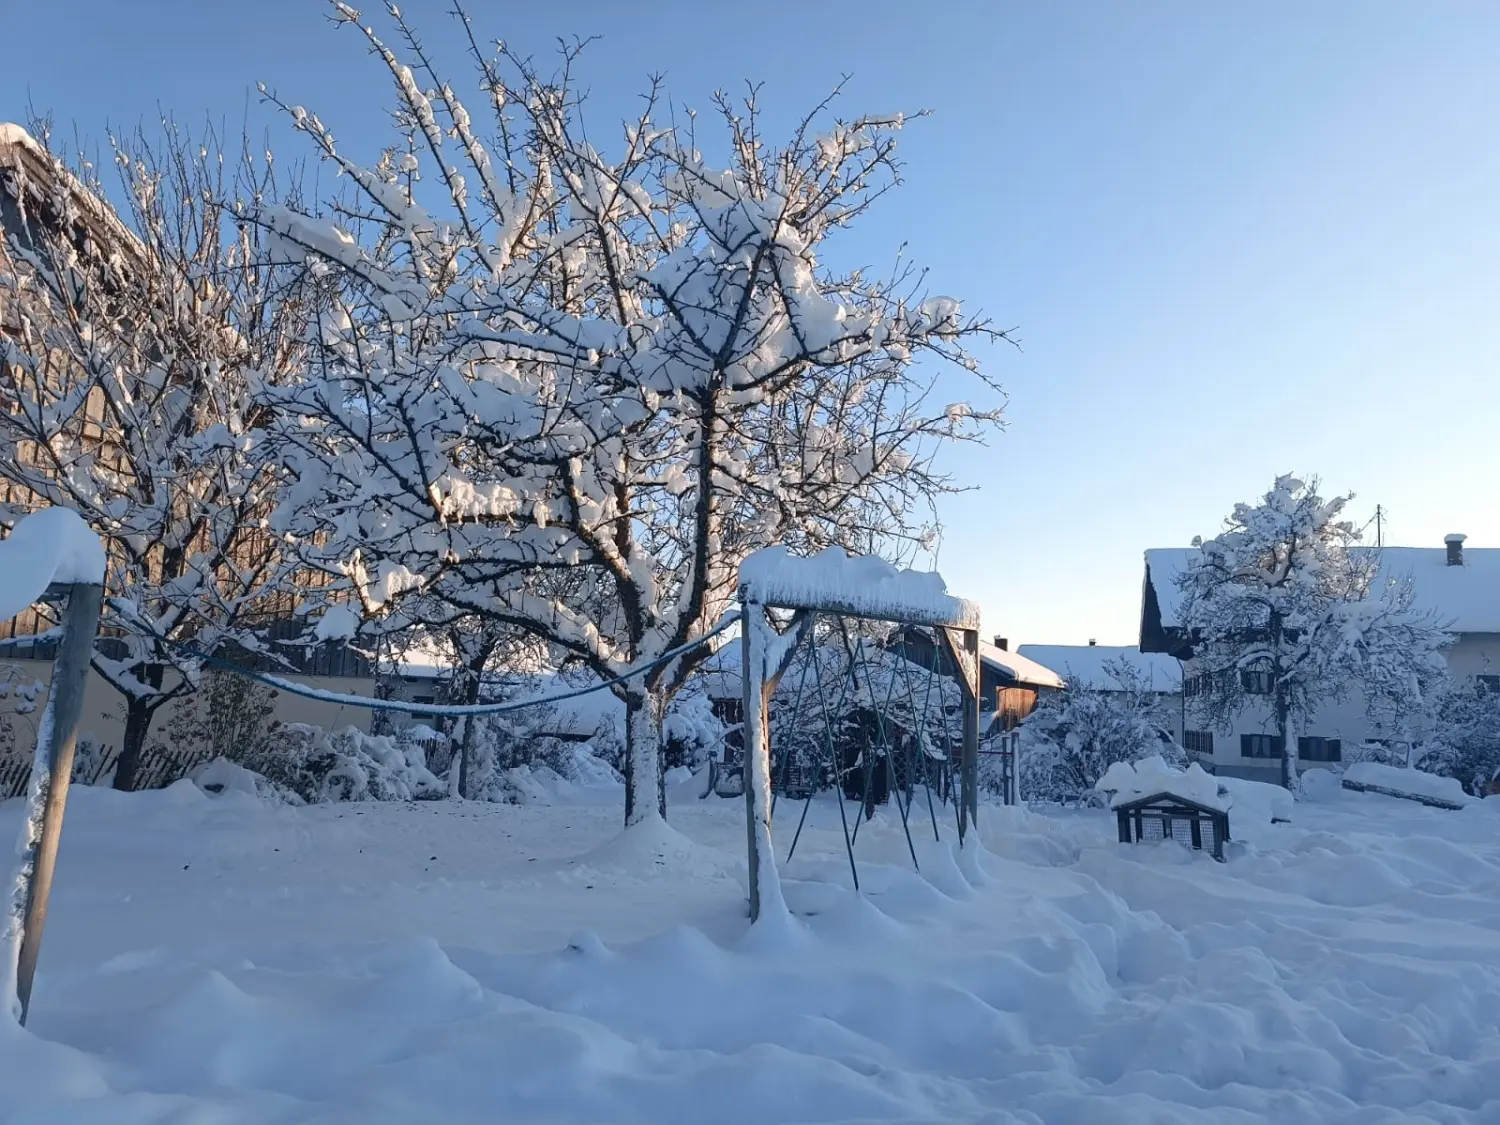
x: 343, y: 765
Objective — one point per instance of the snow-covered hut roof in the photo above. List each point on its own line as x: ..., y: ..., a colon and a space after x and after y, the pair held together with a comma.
x: 855, y: 585
x: 1084, y: 665
x: 1126, y: 783
x: 1019, y: 668
x: 1465, y: 598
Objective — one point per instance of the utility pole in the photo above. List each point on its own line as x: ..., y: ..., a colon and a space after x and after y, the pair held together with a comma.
x: 1379, y: 526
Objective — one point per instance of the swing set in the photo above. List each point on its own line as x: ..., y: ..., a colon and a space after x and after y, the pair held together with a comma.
x: 889, y: 748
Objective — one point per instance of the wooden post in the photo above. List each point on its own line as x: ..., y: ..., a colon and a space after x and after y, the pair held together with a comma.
x: 754, y: 739
x: 51, y: 771
x: 963, y: 650
x: 971, y: 734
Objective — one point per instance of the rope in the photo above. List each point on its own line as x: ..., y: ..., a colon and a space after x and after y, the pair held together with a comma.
x: 457, y: 710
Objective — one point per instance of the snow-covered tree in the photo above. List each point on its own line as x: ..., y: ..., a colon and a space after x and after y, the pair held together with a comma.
x: 1463, y: 741
x: 568, y: 388
x: 1074, y: 736
x: 130, y: 342
x: 1283, y: 608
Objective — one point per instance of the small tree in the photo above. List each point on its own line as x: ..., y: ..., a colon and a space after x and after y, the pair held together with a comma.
x: 127, y: 372
x: 1284, y: 608
x: 1074, y: 736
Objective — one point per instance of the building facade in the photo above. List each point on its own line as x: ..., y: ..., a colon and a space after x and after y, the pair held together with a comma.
x: 1458, y: 585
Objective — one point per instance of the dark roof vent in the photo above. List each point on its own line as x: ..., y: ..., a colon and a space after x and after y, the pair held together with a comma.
x: 1092, y: 642
x: 1002, y: 643
x: 1455, y: 549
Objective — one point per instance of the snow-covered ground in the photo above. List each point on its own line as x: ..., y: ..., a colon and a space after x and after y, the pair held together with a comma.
x: 216, y: 960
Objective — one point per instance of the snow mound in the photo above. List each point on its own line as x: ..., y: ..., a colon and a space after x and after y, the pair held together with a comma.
x: 1152, y: 776
x: 861, y: 585
x: 1407, y: 782
x: 52, y: 545
x: 1257, y: 801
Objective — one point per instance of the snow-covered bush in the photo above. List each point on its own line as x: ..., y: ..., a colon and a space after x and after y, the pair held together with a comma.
x: 1073, y: 737
x: 691, y: 733
x: 1464, y: 740
x: 223, y: 776
x: 343, y: 765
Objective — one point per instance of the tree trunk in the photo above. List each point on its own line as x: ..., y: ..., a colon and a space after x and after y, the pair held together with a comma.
x: 644, y: 787
x: 138, y: 716
x: 466, y: 743
x: 1286, y: 730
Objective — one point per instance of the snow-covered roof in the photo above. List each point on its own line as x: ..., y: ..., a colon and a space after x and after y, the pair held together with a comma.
x: 857, y: 585
x: 1152, y: 777
x: 1083, y: 665
x: 1018, y: 667
x: 1466, y: 599
x: 47, y: 546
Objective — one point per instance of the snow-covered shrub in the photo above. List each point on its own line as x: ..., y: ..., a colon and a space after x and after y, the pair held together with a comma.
x: 223, y: 776
x: 343, y: 765
x: 691, y: 733
x: 237, y: 712
x: 1464, y: 740
x: 93, y: 762
x: 1381, y: 753
x: 1072, y: 738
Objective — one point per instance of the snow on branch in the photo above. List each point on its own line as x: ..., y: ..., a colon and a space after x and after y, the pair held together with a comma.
x: 856, y: 585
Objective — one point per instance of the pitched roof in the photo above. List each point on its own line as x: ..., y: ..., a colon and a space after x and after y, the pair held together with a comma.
x: 1084, y: 665
x: 1019, y: 668
x: 1465, y: 599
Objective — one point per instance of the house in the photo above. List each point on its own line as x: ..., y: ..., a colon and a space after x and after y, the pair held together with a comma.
x: 1009, y: 683
x: 1089, y: 666
x: 1459, y: 585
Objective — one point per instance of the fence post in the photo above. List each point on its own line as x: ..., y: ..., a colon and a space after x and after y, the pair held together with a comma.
x: 51, y: 771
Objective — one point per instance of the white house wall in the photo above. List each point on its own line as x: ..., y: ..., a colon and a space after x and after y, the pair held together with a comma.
x: 1474, y: 654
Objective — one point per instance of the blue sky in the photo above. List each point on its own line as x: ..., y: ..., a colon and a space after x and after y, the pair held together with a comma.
x: 1235, y: 239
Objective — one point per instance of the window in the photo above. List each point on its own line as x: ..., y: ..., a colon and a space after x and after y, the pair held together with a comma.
x: 1201, y: 684
x: 420, y: 699
x: 1260, y: 746
x: 1255, y: 682
x: 1315, y: 749
x: 1198, y: 741
x: 1488, y: 683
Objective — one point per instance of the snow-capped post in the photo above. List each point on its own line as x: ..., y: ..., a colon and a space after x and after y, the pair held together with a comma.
x: 51, y: 549
x: 757, y: 758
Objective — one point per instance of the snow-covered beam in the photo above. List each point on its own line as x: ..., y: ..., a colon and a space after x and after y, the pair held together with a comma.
x: 852, y: 586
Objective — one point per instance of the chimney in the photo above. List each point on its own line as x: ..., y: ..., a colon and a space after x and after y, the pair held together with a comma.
x: 1455, y: 549
x: 1002, y: 643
